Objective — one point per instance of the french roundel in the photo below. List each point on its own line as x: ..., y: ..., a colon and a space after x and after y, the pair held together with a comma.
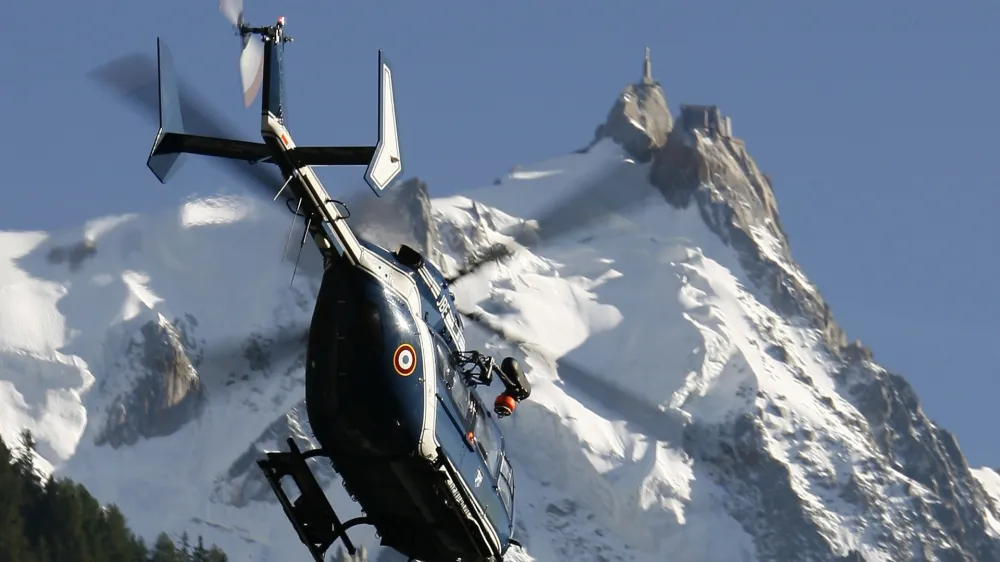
x: 405, y: 360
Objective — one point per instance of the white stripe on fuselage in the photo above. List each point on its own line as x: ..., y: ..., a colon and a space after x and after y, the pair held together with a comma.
x: 448, y: 314
x: 427, y: 446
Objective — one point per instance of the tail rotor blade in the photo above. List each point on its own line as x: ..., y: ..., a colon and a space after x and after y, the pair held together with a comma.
x: 252, y: 69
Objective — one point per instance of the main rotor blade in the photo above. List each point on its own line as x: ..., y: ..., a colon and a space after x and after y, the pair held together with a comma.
x: 620, y: 190
x: 132, y: 79
x: 258, y: 350
x: 233, y: 10
x: 665, y: 425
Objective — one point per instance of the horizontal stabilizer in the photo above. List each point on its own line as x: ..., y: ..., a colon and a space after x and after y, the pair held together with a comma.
x: 386, y: 164
x: 383, y: 159
x: 332, y: 155
x: 180, y: 143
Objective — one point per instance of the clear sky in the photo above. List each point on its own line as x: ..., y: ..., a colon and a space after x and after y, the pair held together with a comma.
x: 876, y: 121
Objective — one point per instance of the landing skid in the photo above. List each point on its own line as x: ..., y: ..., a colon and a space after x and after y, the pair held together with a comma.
x: 311, y: 514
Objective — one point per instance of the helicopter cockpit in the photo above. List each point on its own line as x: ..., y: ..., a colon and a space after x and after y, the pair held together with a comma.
x: 478, y: 427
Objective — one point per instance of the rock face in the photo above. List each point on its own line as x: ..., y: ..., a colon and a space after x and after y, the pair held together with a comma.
x: 639, y: 121
x: 167, y: 392
x: 700, y: 162
x: 707, y: 165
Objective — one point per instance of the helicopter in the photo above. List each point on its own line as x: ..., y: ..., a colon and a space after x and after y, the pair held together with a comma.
x: 389, y: 382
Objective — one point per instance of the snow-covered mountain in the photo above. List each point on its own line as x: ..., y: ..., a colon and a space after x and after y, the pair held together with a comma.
x: 720, y: 413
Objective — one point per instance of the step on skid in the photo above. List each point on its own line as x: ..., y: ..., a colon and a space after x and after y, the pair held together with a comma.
x: 314, y: 519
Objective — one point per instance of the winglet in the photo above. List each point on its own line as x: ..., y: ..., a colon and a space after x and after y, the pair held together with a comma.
x: 386, y: 164
x: 162, y: 158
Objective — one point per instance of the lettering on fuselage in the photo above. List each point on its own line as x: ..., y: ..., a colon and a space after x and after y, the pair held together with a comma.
x: 449, y: 328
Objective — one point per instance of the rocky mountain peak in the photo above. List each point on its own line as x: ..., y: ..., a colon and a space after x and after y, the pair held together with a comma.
x: 640, y: 120
x: 697, y: 160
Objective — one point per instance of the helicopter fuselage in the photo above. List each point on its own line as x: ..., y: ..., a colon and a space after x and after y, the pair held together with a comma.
x: 418, y: 450
x: 398, y: 418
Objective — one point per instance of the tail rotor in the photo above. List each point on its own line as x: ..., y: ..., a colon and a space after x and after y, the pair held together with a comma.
x: 252, y: 50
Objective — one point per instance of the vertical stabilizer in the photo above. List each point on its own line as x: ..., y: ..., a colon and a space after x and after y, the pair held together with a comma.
x: 162, y: 163
x: 386, y: 164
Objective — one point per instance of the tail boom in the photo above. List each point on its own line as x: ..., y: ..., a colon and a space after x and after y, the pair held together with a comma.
x: 330, y: 226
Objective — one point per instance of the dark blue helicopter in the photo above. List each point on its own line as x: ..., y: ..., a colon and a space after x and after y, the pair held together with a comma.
x: 389, y: 384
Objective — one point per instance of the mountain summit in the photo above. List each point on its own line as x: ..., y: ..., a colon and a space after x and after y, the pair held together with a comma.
x: 720, y: 414
x: 639, y: 120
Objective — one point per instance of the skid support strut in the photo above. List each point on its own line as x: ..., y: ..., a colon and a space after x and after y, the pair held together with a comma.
x: 311, y: 514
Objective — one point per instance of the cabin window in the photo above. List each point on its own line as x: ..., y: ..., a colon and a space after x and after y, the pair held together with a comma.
x: 453, y: 381
x: 488, y: 439
x: 505, y: 483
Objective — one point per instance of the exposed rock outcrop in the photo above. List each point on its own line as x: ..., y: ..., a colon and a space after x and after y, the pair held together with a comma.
x: 640, y: 120
x: 166, y: 393
x: 737, y: 202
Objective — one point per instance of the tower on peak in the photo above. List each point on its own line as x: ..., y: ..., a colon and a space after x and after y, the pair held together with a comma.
x: 647, y: 70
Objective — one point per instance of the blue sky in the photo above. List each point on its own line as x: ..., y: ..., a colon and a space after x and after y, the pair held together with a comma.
x: 875, y: 120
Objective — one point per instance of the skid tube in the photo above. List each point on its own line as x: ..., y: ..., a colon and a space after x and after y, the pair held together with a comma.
x: 314, y: 519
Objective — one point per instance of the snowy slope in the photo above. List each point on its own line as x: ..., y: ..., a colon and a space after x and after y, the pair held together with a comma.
x: 713, y: 411
x: 656, y: 306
